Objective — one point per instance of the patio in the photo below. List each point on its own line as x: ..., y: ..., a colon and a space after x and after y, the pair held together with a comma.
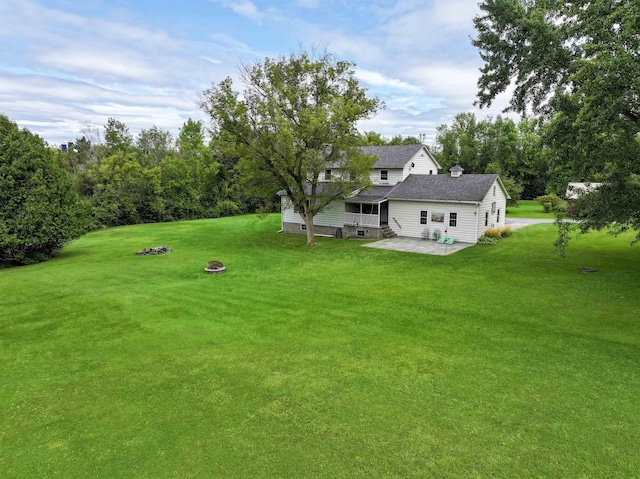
x: 413, y: 245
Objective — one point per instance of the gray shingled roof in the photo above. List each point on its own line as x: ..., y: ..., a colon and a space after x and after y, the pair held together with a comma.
x: 466, y: 188
x: 392, y: 156
x: 372, y: 194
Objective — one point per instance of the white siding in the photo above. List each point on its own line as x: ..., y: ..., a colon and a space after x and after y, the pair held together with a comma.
x: 394, y: 176
x: 423, y: 164
x: 333, y: 215
x: 500, y: 199
x: 407, y: 214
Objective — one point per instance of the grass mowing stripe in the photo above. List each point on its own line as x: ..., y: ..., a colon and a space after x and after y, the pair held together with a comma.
x: 335, y: 360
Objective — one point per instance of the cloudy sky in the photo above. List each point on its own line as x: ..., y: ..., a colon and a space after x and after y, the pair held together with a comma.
x: 69, y: 63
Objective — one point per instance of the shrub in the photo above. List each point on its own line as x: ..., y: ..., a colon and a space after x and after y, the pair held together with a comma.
x: 39, y: 210
x: 561, y: 208
x: 506, y: 232
x: 487, y: 240
x: 548, y: 206
x: 225, y: 208
x: 493, y: 233
x: 552, y: 198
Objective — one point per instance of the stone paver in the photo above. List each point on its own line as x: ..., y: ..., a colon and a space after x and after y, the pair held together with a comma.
x: 413, y: 245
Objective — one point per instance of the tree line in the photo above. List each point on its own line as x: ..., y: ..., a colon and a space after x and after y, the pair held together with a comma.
x: 153, y: 177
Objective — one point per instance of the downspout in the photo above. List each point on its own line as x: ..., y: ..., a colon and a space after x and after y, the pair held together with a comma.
x: 477, y: 220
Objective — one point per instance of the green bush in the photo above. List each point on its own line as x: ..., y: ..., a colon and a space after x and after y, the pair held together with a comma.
x: 554, y: 199
x: 548, y: 206
x: 561, y: 208
x: 487, y: 240
x: 225, y: 208
x: 39, y: 209
x: 506, y: 232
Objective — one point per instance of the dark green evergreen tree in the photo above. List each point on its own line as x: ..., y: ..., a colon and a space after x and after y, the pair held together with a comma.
x: 39, y: 208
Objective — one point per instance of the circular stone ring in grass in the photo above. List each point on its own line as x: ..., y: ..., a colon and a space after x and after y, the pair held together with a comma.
x: 214, y: 267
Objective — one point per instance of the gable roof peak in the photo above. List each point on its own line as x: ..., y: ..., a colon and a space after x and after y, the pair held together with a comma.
x: 395, y: 156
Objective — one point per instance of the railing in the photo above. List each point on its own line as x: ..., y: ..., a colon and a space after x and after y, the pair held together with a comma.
x: 362, y: 220
x: 399, y: 226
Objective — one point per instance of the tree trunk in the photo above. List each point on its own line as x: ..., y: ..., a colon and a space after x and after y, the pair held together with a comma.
x: 311, y: 239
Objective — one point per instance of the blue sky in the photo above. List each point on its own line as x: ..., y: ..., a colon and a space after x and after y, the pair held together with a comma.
x: 66, y: 64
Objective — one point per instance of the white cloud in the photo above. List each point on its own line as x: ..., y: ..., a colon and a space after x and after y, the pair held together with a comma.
x: 215, y: 61
x: 245, y: 8
x: 378, y: 79
x: 59, y: 69
x: 122, y: 64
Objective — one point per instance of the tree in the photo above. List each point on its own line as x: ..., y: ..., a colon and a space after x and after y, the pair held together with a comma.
x: 406, y: 140
x: 153, y: 145
x: 39, y: 211
x: 371, y: 138
x: 459, y: 143
x: 578, y: 63
x: 125, y: 192
x: 296, y: 118
x: 117, y: 137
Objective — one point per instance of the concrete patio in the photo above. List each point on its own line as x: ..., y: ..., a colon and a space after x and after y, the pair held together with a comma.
x: 413, y: 245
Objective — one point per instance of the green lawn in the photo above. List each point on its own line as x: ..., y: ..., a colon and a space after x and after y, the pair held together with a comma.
x: 529, y: 209
x: 333, y: 361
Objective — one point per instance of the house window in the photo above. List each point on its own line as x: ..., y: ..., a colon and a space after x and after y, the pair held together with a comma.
x: 494, y: 191
x: 384, y: 175
x: 423, y: 217
x: 453, y: 219
x: 493, y: 207
x: 498, y: 217
x: 360, y: 233
x: 431, y: 172
x: 486, y: 219
x: 368, y: 209
x: 352, y: 208
x: 303, y: 227
x: 327, y: 175
x: 437, y: 217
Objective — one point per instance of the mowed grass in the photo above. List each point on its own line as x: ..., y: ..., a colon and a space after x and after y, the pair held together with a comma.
x: 333, y: 361
x: 529, y: 209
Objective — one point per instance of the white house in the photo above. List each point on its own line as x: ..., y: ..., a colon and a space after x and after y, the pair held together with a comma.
x: 576, y: 190
x: 409, y: 198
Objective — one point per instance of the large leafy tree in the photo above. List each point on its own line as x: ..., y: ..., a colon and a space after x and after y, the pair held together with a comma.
x: 153, y: 145
x: 578, y: 62
x: 39, y: 210
x: 296, y: 118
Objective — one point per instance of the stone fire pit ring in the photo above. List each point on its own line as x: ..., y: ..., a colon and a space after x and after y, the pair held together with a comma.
x: 214, y: 267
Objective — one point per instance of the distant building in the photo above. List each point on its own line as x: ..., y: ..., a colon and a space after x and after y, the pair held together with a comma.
x: 575, y: 190
x: 66, y: 146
